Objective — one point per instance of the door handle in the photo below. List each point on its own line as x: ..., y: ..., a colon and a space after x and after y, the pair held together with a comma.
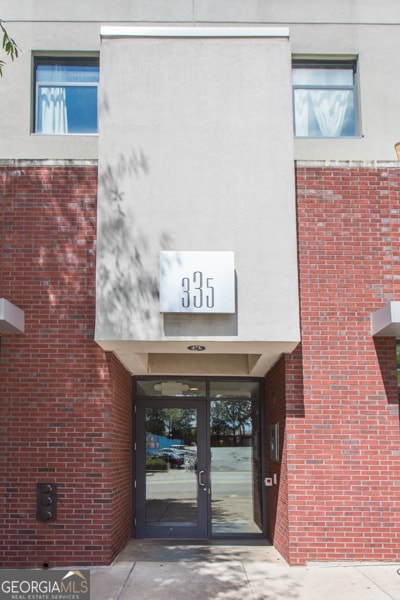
x: 201, y: 484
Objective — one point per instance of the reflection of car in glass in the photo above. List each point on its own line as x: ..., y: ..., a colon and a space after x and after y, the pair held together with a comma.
x: 173, y: 457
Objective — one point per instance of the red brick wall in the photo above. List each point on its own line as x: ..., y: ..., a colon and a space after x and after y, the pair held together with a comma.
x: 121, y: 456
x: 65, y: 407
x: 343, y: 444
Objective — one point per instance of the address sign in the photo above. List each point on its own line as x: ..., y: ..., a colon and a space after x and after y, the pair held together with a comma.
x: 197, y: 282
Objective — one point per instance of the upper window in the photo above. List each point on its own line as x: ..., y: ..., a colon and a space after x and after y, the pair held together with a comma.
x: 324, y: 99
x: 66, y: 95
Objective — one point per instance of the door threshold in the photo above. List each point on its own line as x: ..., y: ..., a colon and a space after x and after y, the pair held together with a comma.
x: 174, y: 550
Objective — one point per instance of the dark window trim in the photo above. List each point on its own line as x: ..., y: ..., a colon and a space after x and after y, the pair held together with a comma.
x: 61, y: 59
x: 329, y: 63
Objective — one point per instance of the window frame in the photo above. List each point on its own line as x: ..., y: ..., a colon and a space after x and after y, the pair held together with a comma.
x: 62, y: 60
x: 334, y: 63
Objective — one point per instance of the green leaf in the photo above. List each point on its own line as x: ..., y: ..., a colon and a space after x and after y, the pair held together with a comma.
x: 9, y: 46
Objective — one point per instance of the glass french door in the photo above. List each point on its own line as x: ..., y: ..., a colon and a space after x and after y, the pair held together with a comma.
x: 172, y: 487
x: 198, y: 459
x: 235, y: 468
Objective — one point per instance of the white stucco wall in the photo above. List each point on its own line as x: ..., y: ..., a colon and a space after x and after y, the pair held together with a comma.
x: 196, y: 153
x: 361, y: 28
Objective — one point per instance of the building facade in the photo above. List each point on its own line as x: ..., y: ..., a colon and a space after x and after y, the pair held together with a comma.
x: 199, y: 278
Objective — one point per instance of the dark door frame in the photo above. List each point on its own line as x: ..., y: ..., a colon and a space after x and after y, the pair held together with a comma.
x: 204, y: 530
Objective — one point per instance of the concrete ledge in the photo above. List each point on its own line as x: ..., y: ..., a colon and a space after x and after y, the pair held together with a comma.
x: 11, y: 318
x: 39, y: 162
x: 386, y: 321
x: 194, y: 32
x: 357, y: 164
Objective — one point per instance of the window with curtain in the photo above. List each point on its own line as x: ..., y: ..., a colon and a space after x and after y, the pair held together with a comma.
x: 324, y: 99
x: 66, y: 95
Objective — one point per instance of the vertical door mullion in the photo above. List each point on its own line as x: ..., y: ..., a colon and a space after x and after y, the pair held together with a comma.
x: 140, y: 470
x: 203, y: 465
x: 207, y: 445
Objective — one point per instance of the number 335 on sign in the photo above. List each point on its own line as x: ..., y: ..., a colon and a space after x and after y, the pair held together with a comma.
x: 197, y: 282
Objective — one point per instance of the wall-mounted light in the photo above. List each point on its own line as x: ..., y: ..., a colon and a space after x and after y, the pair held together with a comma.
x: 196, y: 348
x: 397, y: 148
x: 171, y: 388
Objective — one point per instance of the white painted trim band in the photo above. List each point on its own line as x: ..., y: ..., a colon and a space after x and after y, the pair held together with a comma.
x: 194, y: 32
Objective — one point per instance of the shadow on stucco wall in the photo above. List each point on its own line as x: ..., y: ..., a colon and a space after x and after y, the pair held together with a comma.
x: 127, y: 290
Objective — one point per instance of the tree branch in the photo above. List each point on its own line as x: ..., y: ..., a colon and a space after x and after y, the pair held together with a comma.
x: 9, y: 46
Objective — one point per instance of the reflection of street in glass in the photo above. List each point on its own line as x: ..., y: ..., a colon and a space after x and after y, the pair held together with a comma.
x: 172, y: 482
x: 232, y: 503
x: 177, y: 493
x: 180, y: 481
x: 172, y: 498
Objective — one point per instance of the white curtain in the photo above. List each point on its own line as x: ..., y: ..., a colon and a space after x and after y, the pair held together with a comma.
x: 325, y: 108
x: 53, y: 110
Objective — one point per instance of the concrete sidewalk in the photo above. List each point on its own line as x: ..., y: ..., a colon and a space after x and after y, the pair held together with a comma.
x: 177, y: 570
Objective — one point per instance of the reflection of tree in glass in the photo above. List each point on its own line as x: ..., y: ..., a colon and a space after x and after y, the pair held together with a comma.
x: 174, y: 423
x: 155, y: 421
x: 230, y: 420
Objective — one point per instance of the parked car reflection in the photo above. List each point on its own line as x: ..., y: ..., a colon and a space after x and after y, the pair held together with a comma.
x: 174, y: 458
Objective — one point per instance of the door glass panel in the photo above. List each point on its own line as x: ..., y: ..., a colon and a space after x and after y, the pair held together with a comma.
x: 171, y: 467
x: 234, y: 389
x: 235, y: 466
x: 180, y: 388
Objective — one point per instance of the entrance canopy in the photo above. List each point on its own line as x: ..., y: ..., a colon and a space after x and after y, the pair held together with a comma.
x: 386, y: 321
